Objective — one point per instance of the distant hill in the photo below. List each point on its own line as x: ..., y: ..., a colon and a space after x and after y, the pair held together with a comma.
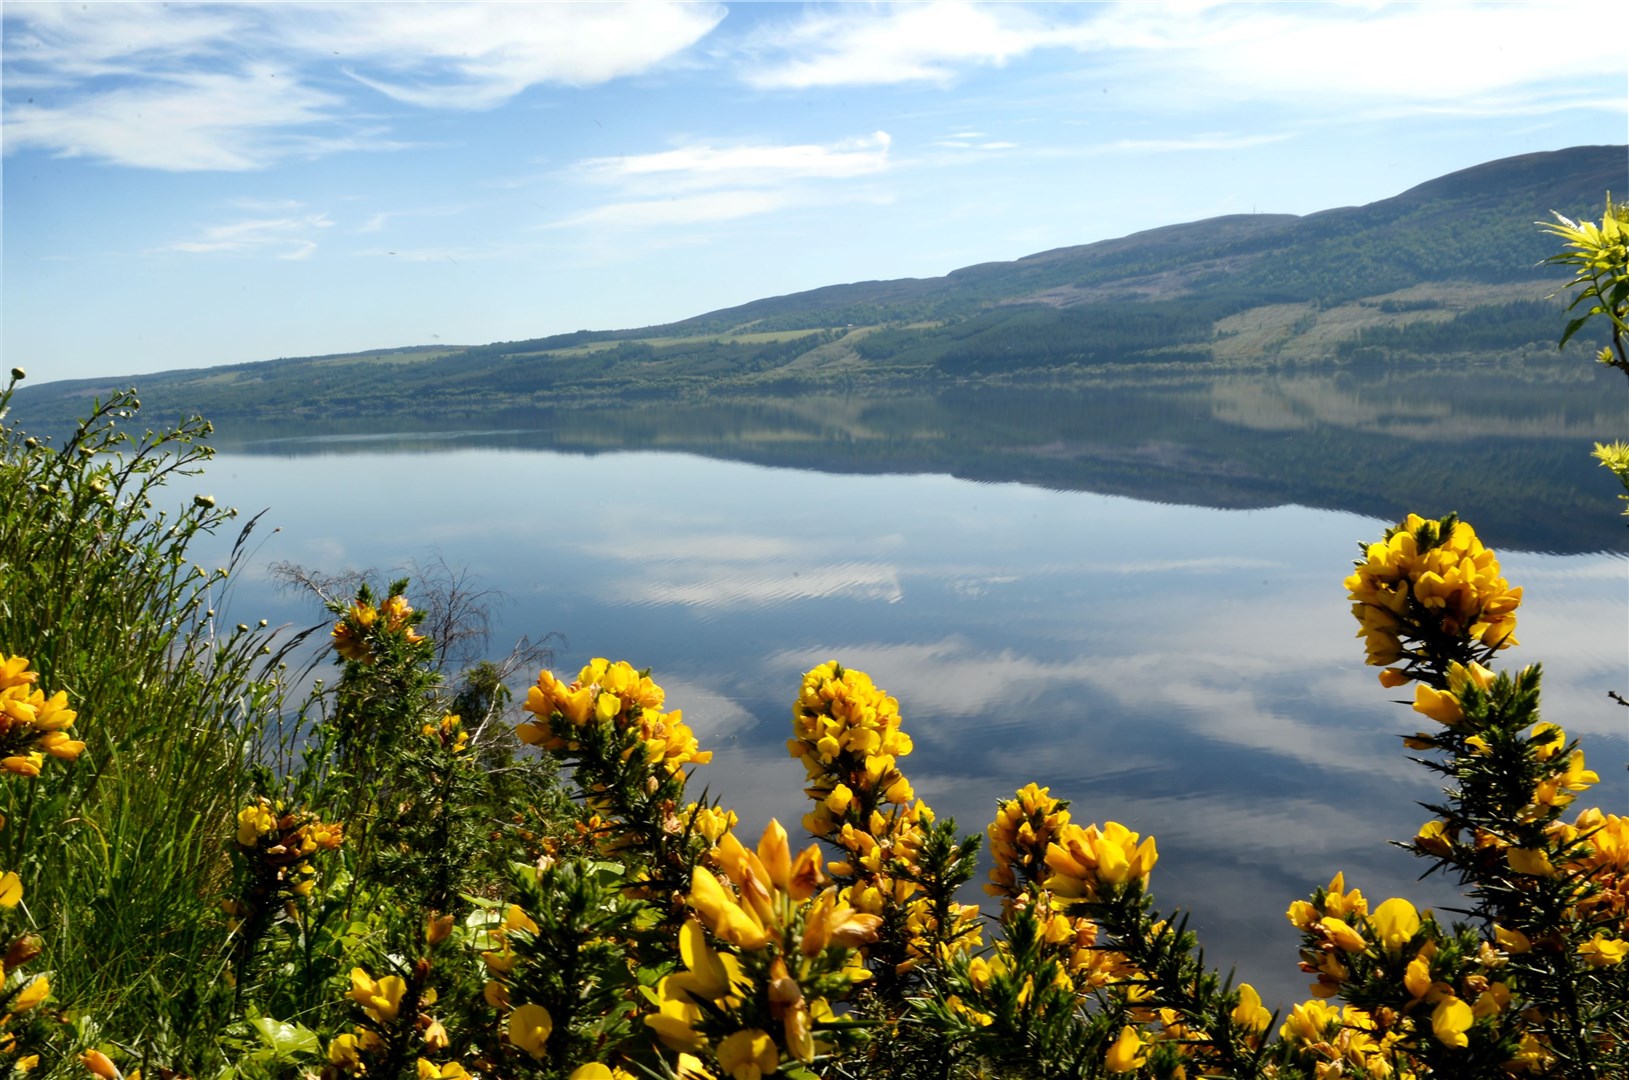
x: 1449, y: 269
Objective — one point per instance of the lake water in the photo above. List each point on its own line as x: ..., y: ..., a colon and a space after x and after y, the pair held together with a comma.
x: 1188, y: 670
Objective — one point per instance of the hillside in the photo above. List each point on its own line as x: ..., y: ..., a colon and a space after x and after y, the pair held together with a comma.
x: 1448, y: 269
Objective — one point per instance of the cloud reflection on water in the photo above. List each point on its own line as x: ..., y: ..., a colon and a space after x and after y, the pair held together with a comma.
x: 1191, y: 672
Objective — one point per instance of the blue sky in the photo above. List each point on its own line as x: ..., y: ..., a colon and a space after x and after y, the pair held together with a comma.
x: 196, y: 184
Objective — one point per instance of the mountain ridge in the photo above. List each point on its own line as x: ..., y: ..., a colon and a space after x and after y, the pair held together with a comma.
x: 1392, y: 281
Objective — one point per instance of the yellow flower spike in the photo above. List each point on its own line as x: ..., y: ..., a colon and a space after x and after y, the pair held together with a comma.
x: 748, y: 1055
x: 1126, y: 1053
x: 529, y: 1028
x: 1450, y: 1020
x: 591, y: 1071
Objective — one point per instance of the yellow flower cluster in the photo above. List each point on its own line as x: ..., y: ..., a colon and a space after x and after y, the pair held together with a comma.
x: 449, y: 732
x: 1087, y: 863
x: 708, y: 822
x: 792, y: 934
x: 390, y: 1004
x: 847, y: 734
x: 352, y: 632
x: 1339, y: 932
x: 1073, y: 939
x: 1598, y: 844
x: 1024, y: 827
x: 278, y: 842
x: 32, y: 725
x: 1327, y: 921
x: 614, y: 694
x: 1339, y: 1042
x: 1425, y: 592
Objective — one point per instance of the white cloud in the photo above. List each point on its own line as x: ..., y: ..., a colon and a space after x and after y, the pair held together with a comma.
x: 1495, y: 57
x: 895, y: 43
x: 291, y: 237
x: 1219, y: 141
x: 759, y: 164
x: 690, y: 210
x: 475, y: 56
x: 855, y: 581
x: 236, y: 87
x: 197, y: 121
x: 728, y: 182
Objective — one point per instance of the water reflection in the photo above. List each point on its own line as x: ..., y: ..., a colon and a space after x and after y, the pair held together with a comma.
x: 1508, y: 449
x: 1189, y: 671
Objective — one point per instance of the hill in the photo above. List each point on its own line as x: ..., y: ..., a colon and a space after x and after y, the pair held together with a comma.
x: 1448, y: 269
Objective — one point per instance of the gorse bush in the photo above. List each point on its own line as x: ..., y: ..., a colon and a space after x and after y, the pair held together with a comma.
x: 200, y: 877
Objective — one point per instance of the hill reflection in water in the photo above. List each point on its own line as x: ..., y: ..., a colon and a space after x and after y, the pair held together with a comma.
x: 1510, y: 452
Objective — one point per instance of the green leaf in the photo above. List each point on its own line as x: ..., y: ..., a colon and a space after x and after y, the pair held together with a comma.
x: 1572, y: 328
x: 285, y: 1039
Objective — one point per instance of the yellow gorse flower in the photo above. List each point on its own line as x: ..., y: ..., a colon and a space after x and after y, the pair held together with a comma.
x: 380, y: 998
x: 529, y: 1028
x: 614, y: 694
x: 359, y: 622
x: 847, y: 734
x: 1023, y: 828
x: 1085, y: 861
x: 1426, y: 586
x: 32, y: 723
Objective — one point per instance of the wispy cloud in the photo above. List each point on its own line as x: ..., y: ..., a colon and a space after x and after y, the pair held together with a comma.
x: 219, y: 121
x: 287, y: 237
x: 748, y: 164
x: 475, y: 56
x: 1218, y: 141
x: 963, y: 144
x: 1285, y: 54
x: 235, y: 87
x: 725, y: 182
x: 896, y: 43
x: 690, y: 210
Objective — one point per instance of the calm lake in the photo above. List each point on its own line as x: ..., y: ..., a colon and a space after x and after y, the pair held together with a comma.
x: 1152, y: 622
